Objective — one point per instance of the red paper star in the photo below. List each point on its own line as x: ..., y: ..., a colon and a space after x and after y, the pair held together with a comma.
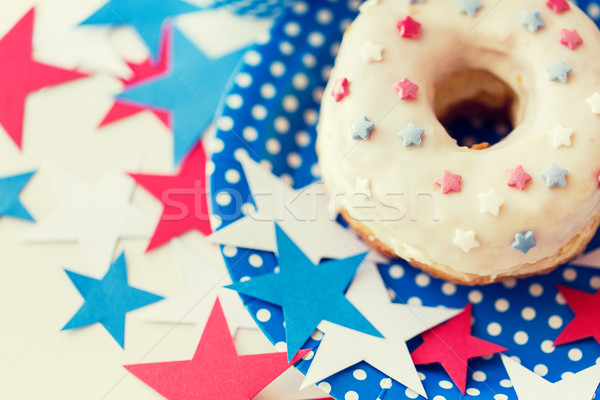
x: 570, y: 38
x: 215, y: 371
x: 406, y: 89
x: 340, y: 89
x: 20, y: 75
x: 586, y: 323
x: 517, y: 177
x: 452, y: 345
x: 184, y: 198
x: 409, y: 28
x: 449, y: 182
x: 558, y: 6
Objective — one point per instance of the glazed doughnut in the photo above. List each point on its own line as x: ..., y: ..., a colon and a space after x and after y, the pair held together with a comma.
x: 479, y: 214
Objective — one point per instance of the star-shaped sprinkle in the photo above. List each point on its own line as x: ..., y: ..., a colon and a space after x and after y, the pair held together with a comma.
x: 367, y: 5
x: 570, y: 38
x: 406, y: 89
x: 559, y: 71
x: 490, y: 202
x: 469, y: 7
x: 361, y: 128
x: 561, y: 136
x: 532, y: 20
x: 409, y: 28
x: 558, y: 6
x: 371, y: 51
x: 411, y: 135
x: 586, y: 322
x: 449, y: 182
x: 465, y: 240
x: 363, y: 186
x: 594, y: 103
x: 452, y: 345
x: 555, y: 176
x: 524, y: 242
x: 340, y: 89
x: 308, y: 293
x: 216, y: 370
x: 10, y: 204
x: 516, y: 177
x: 107, y: 300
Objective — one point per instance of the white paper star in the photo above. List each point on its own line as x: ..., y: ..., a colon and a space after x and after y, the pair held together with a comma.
x: 594, y: 102
x: 490, y: 202
x: 465, y: 240
x: 341, y: 347
x: 93, y: 215
x: 561, y: 136
x: 530, y: 386
x: 371, y: 52
x: 367, y: 5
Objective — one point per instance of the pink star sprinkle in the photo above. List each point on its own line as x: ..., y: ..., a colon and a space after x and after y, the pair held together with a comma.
x: 340, y: 89
x: 449, y: 182
x: 406, y: 89
x: 409, y: 28
x: 558, y: 6
x: 571, y: 39
x: 517, y: 177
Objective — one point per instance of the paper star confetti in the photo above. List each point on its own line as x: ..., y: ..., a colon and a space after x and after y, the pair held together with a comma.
x: 216, y: 371
x: 10, y: 204
x: 524, y: 242
x: 594, y: 103
x: 469, y: 7
x: 371, y: 52
x: 517, y: 177
x: 107, y: 300
x: 465, y: 240
x: 586, y: 323
x: 561, y: 136
x: 558, y: 6
x: 340, y: 89
x: 93, y: 215
x: 559, y: 71
x: 409, y: 28
x: 490, y: 202
x: 530, y: 386
x: 570, y: 38
x: 411, y: 135
x: 532, y: 20
x: 361, y: 128
x: 191, y: 91
x: 555, y: 176
x: 452, y: 345
x: 406, y: 89
x: 341, y: 347
x: 21, y: 75
x: 449, y: 182
x: 307, y: 293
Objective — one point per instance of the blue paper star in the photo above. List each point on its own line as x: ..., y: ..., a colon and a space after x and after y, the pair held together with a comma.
x: 361, y: 128
x: 108, y: 300
x: 555, y: 176
x: 532, y: 20
x: 10, y: 205
x: 469, y: 7
x: 524, y: 242
x: 146, y: 17
x: 191, y: 90
x: 558, y: 71
x: 411, y: 135
x: 307, y: 293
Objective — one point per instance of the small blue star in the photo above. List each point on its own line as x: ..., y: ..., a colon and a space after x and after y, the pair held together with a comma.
x: 361, y: 129
x: 555, y: 176
x: 10, y: 205
x: 558, y: 71
x: 532, y: 20
x: 411, y: 135
x: 469, y: 7
x: 524, y: 242
x: 108, y: 300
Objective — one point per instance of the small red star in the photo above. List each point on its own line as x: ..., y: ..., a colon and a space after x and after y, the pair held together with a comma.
x: 586, y: 323
x: 409, y: 28
x: 558, y: 6
x: 571, y: 39
x: 340, y: 89
x: 406, y: 89
x: 449, y: 182
x: 517, y: 177
x: 452, y: 345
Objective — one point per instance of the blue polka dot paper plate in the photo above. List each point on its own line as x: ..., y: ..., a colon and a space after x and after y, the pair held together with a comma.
x: 271, y: 114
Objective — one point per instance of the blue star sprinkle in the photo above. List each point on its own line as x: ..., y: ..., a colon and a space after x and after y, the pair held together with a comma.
x: 10, y: 188
x: 469, y: 7
x: 307, y: 293
x: 524, y: 242
x: 108, y: 300
x: 145, y: 17
x: 191, y: 90
x: 559, y: 71
x: 411, y: 135
x: 361, y: 129
x: 532, y: 20
x: 555, y: 176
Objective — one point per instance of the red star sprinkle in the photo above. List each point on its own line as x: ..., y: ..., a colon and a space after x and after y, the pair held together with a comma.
x: 216, y: 371
x: 20, y: 75
x: 409, y: 28
x: 340, y: 89
x: 571, y: 39
x: 586, y: 323
x: 449, y: 182
x: 184, y: 198
x: 406, y: 89
x: 558, y: 6
x: 452, y: 345
x: 517, y: 177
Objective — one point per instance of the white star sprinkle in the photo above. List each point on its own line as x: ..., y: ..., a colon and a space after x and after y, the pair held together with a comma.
x: 561, y: 136
x: 594, y: 102
x: 363, y: 186
x: 465, y: 240
x: 371, y: 52
x: 490, y: 202
x: 367, y: 5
